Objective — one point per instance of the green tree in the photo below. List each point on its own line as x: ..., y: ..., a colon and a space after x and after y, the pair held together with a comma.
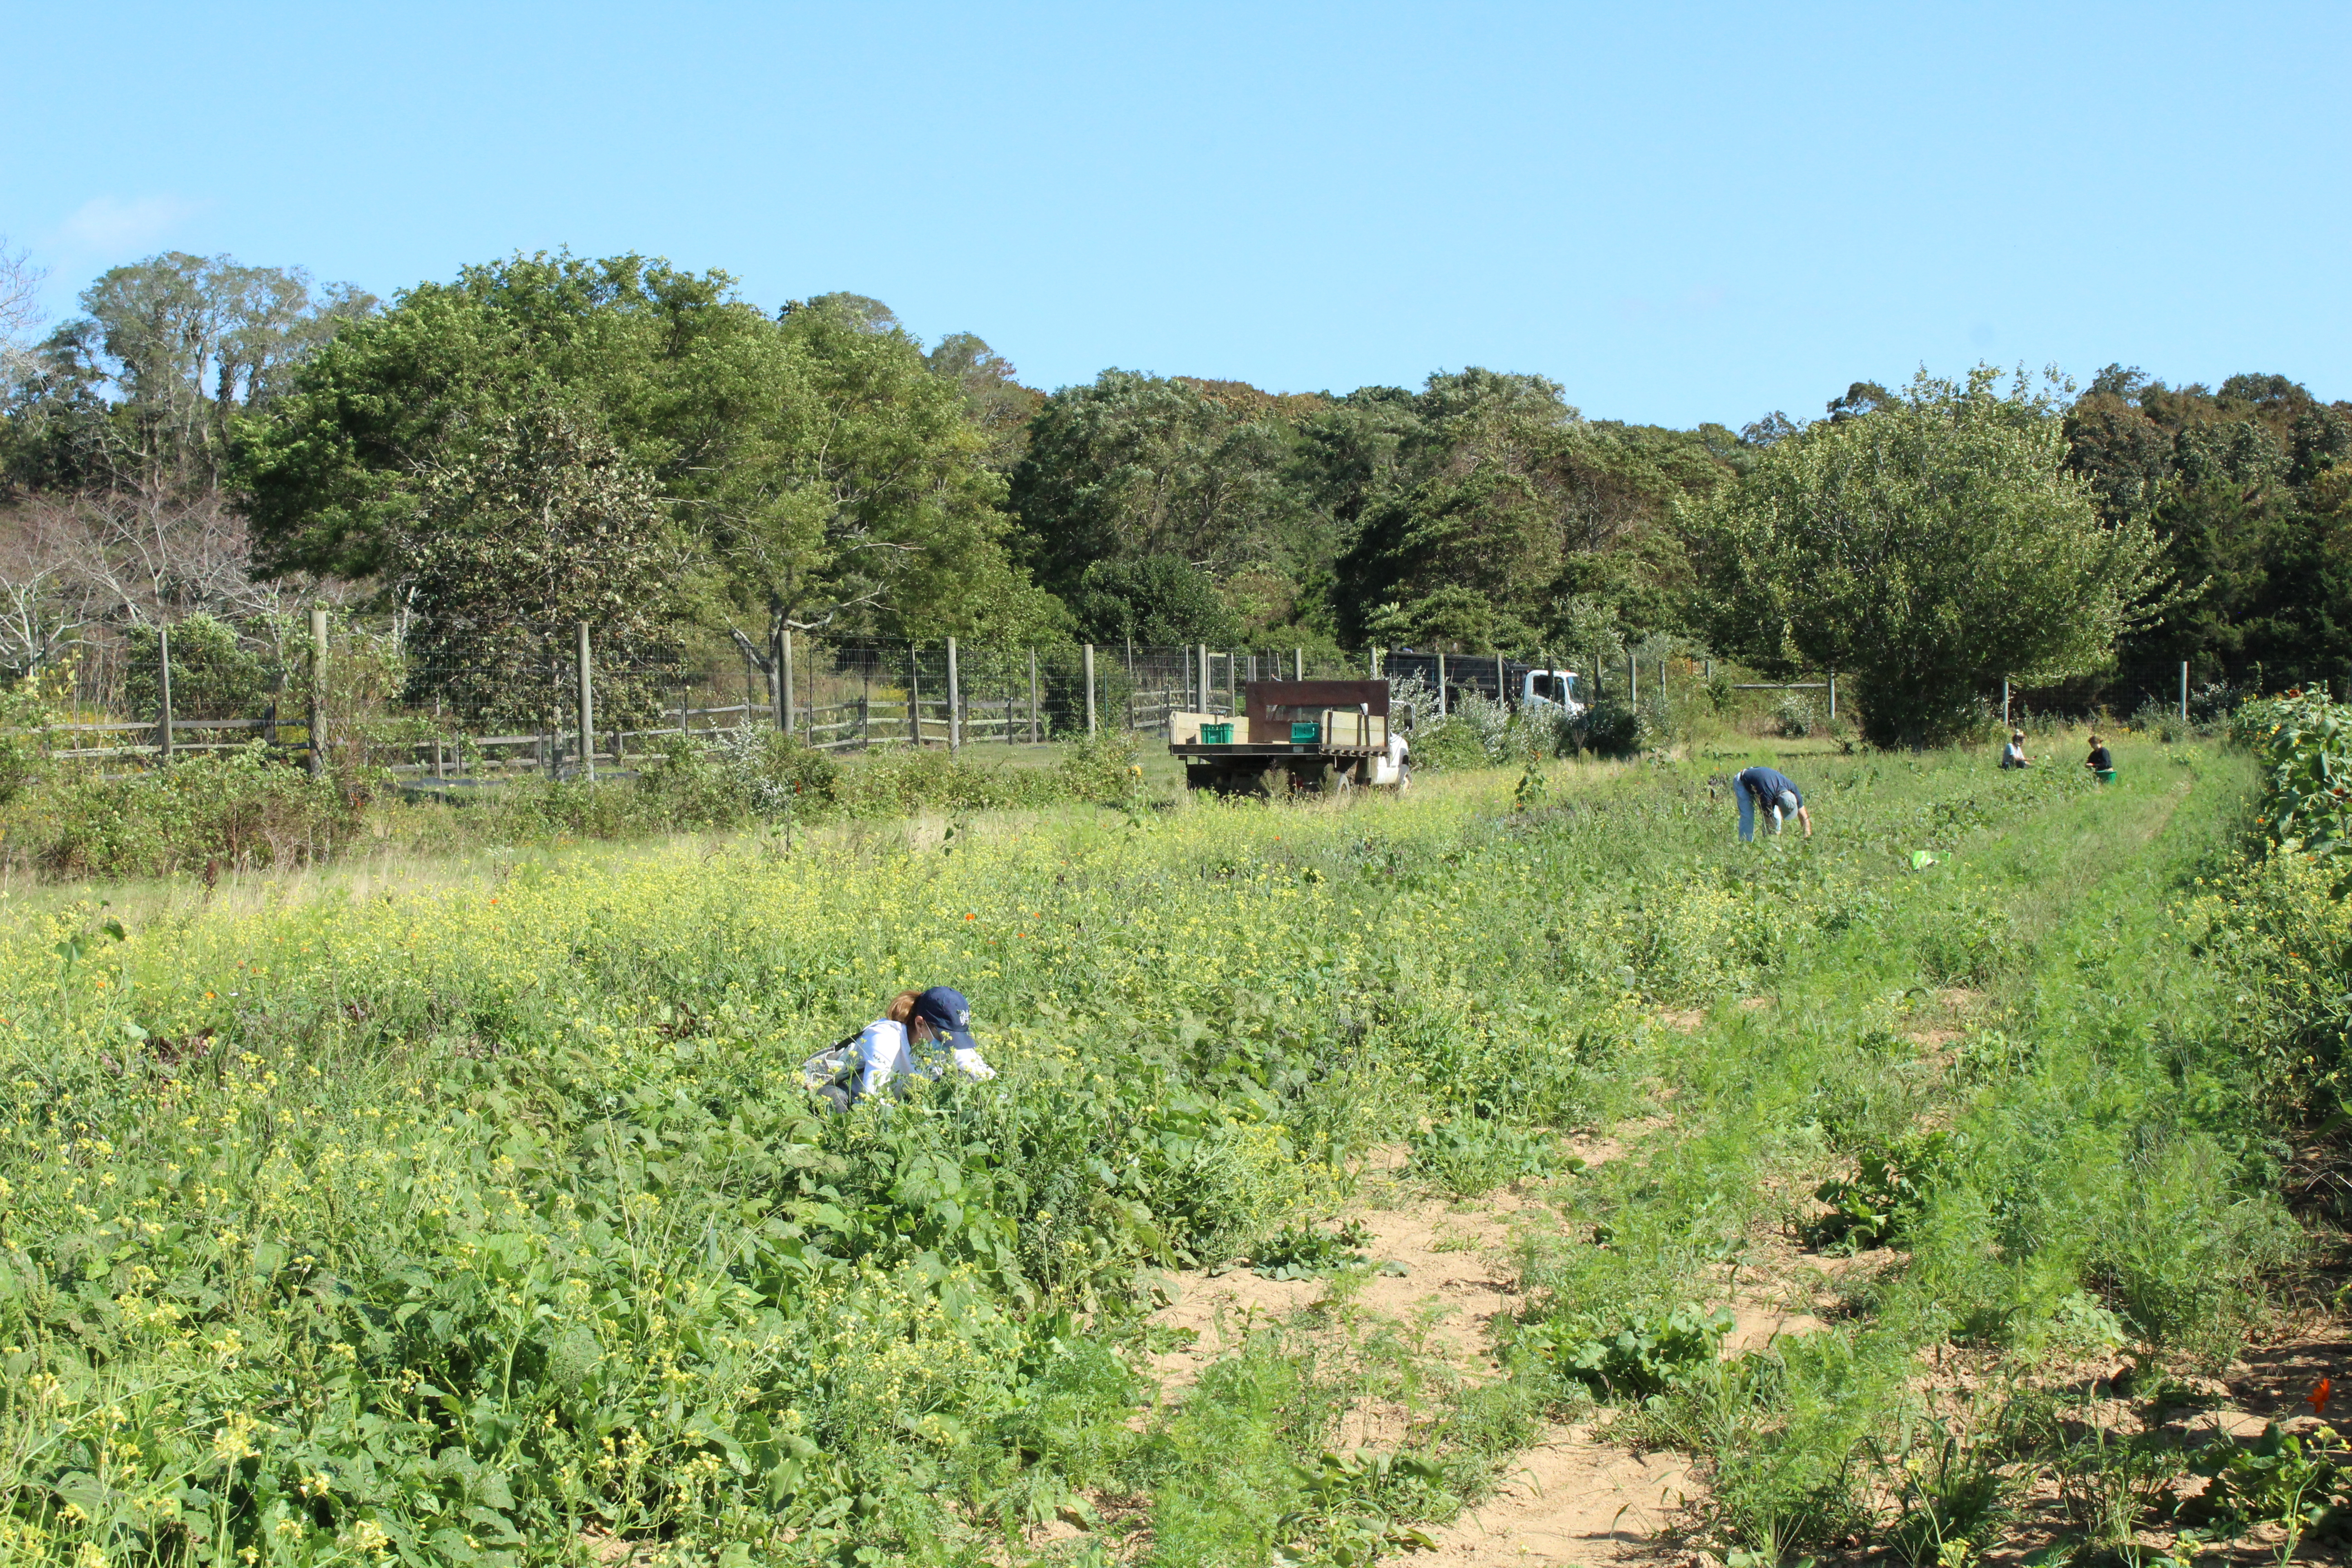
x: 1156, y: 600
x: 142, y: 387
x: 1502, y: 503
x: 993, y: 398
x: 863, y: 498
x: 1133, y: 465
x: 541, y: 525
x: 2231, y: 480
x: 810, y: 469
x: 1930, y: 547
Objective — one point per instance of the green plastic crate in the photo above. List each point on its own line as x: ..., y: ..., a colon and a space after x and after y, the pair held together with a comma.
x: 1217, y: 734
x: 1305, y: 732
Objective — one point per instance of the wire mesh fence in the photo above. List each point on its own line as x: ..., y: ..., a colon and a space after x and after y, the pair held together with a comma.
x: 567, y: 702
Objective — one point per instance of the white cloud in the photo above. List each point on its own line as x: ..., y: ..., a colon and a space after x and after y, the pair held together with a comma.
x: 105, y: 226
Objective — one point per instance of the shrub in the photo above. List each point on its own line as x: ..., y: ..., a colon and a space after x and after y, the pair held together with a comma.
x: 1793, y: 718
x: 213, y: 674
x: 244, y: 807
x: 1103, y: 768
x: 1613, y: 730
x: 1451, y: 744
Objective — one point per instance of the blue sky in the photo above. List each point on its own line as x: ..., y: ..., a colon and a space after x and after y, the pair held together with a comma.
x: 1679, y: 211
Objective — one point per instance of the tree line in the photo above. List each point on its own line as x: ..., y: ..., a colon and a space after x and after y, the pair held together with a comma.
x: 548, y: 439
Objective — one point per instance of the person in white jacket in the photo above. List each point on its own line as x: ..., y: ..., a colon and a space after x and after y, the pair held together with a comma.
x: 923, y: 1033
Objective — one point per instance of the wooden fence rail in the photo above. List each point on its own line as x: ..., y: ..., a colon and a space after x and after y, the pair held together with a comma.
x: 924, y: 713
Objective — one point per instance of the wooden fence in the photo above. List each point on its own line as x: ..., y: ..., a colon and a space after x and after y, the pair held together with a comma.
x: 1132, y: 688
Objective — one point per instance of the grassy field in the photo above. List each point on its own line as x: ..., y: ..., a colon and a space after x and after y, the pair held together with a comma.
x: 473, y: 1213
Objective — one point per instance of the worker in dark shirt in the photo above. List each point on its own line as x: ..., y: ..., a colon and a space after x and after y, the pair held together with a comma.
x: 1773, y: 794
x: 2102, y: 765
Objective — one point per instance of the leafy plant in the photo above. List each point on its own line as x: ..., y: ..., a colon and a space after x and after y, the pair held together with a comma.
x: 2297, y: 1480
x: 1472, y: 1154
x: 1890, y: 1187
x: 1303, y: 1252
x: 1638, y: 1355
x: 2303, y: 743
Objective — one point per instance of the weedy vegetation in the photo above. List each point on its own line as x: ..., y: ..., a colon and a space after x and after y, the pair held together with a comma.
x: 488, y: 1221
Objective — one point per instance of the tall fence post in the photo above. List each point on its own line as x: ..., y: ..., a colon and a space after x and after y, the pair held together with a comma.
x: 1633, y: 681
x: 587, y: 710
x: 913, y: 694
x: 163, y: 691
x: 784, y: 682
x: 2184, y: 691
x: 318, y: 689
x: 1205, y: 677
x: 1832, y: 696
x: 955, y: 701
x: 1090, y: 689
x: 1034, y: 736
x: 1502, y: 682
x: 1441, y: 686
x: 2004, y: 702
x: 1298, y: 664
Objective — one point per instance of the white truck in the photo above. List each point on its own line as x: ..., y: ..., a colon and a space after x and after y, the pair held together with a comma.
x: 1550, y: 688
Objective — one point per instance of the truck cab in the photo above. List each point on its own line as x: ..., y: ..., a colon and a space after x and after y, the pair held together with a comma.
x: 1550, y: 688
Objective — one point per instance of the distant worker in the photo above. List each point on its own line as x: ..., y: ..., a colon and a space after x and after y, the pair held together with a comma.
x: 1775, y: 795
x: 2013, y: 754
x: 2102, y: 765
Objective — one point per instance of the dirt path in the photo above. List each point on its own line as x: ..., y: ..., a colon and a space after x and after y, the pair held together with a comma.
x: 1571, y: 1497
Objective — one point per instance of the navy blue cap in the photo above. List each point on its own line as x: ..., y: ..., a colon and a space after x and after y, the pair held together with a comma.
x: 948, y: 1015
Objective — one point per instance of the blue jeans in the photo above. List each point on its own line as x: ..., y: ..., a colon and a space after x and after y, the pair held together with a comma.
x: 1748, y: 817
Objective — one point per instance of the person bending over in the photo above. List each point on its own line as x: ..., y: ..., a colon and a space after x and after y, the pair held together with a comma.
x: 1773, y: 794
x: 924, y: 1033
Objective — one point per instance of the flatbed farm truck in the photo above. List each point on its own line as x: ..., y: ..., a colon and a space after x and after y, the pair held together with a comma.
x: 1321, y: 736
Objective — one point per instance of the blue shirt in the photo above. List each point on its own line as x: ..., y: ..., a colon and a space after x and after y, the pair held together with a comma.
x: 1765, y: 784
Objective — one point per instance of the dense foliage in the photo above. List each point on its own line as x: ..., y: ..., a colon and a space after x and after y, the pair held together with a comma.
x: 483, y: 461
x: 2249, y: 485
x: 1934, y: 547
x: 489, y: 1222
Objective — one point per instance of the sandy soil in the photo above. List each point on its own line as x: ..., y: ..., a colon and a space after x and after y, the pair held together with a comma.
x: 1572, y: 1498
